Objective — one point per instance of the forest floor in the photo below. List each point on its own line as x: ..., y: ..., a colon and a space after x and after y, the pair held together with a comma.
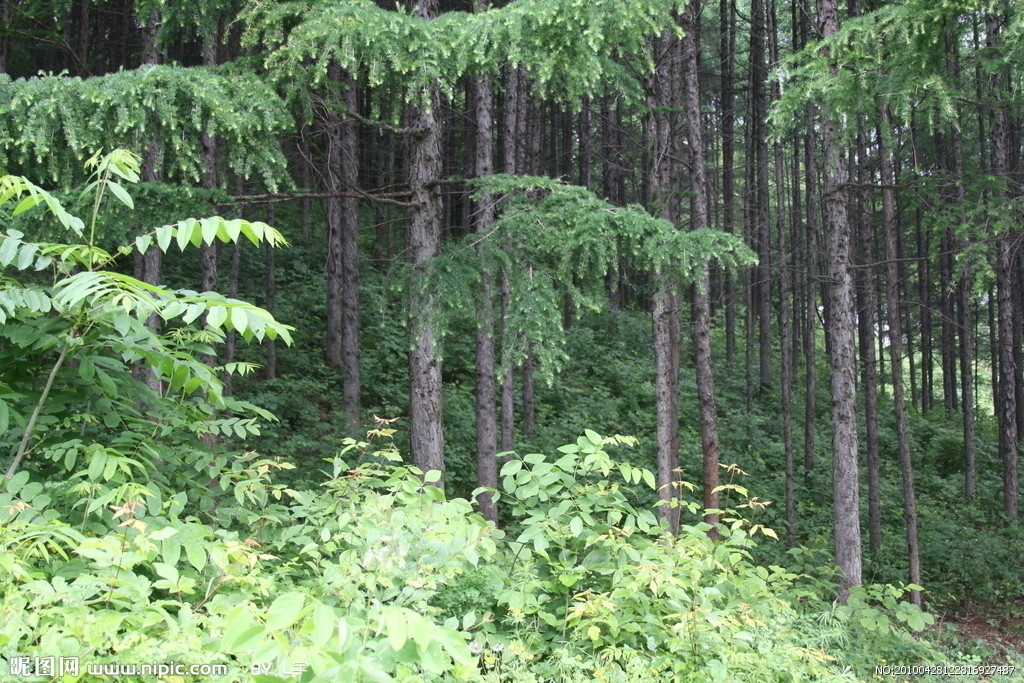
x: 997, y: 627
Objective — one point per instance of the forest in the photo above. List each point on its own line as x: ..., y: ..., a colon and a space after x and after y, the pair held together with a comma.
x: 511, y: 341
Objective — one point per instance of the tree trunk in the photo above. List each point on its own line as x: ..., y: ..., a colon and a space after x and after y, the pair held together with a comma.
x: 811, y: 312
x: 841, y: 356
x: 896, y: 360
x: 423, y: 241
x: 866, y: 333
x: 486, y: 413
x: 759, y: 136
x: 585, y: 164
x: 727, y: 49
x: 701, y: 302
x: 342, y: 175
x: 5, y: 18
x: 1007, y: 409
x: 270, y: 369
x: 662, y: 126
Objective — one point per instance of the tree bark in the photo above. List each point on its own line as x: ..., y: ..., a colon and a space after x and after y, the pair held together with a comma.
x: 662, y: 126
x: 342, y: 352
x: 727, y: 50
x: 896, y: 360
x: 759, y: 136
x: 866, y: 333
x: 423, y: 241
x: 486, y: 409
x: 811, y: 312
x: 701, y: 301
x: 1007, y: 409
x: 841, y: 355
x: 270, y: 369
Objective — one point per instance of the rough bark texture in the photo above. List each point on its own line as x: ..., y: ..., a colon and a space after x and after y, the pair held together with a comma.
x: 841, y: 353
x: 896, y: 364
x: 811, y: 311
x: 486, y: 414
x: 342, y: 351
x: 866, y: 347
x: 1007, y: 392
x: 727, y: 50
x: 423, y: 235
x: 701, y: 302
x: 785, y: 331
x: 662, y: 127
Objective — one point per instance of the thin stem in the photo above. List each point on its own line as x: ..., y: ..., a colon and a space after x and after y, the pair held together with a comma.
x: 30, y: 427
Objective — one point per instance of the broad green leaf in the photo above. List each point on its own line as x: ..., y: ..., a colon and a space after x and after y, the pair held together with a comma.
x: 285, y: 611
x: 239, y: 320
x: 395, y: 626
x: 15, y: 483
x: 216, y: 316
x: 121, y: 194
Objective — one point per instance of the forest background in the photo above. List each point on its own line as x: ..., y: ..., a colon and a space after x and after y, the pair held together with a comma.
x: 777, y: 245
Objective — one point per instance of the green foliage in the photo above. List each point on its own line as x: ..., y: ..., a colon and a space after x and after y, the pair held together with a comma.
x: 553, y: 241
x: 50, y: 122
x: 73, y: 328
x: 371, y: 576
x: 567, y: 46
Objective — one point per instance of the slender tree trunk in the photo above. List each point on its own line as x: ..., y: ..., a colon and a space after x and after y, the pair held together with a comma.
x: 342, y: 350
x: 528, y: 405
x: 1007, y: 410
x: 423, y: 241
x: 701, y: 302
x: 507, y: 380
x: 866, y: 333
x: 233, y: 272
x: 486, y: 412
x: 965, y: 319
x: 270, y: 369
x: 785, y: 331
x: 585, y: 164
x: 5, y: 18
x: 811, y: 312
x: 841, y: 356
x: 727, y: 50
x: 759, y: 133
x: 351, y: 378
x: 152, y: 172
x: 662, y: 124
x: 896, y: 364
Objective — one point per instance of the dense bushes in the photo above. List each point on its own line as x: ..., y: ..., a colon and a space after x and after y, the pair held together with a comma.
x: 372, y: 577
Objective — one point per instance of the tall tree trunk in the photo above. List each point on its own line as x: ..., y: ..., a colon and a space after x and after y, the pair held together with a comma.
x: 423, y: 241
x: 1007, y: 409
x: 5, y: 18
x: 486, y: 409
x: 662, y: 126
x: 270, y: 369
x: 528, y: 405
x: 965, y: 319
x: 585, y: 164
x: 811, y: 312
x: 701, y: 302
x: 342, y: 352
x: 841, y: 356
x: 896, y: 359
x: 759, y: 136
x: 785, y: 332
x: 866, y: 346
x: 207, y: 252
x: 152, y: 172
x: 727, y: 50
